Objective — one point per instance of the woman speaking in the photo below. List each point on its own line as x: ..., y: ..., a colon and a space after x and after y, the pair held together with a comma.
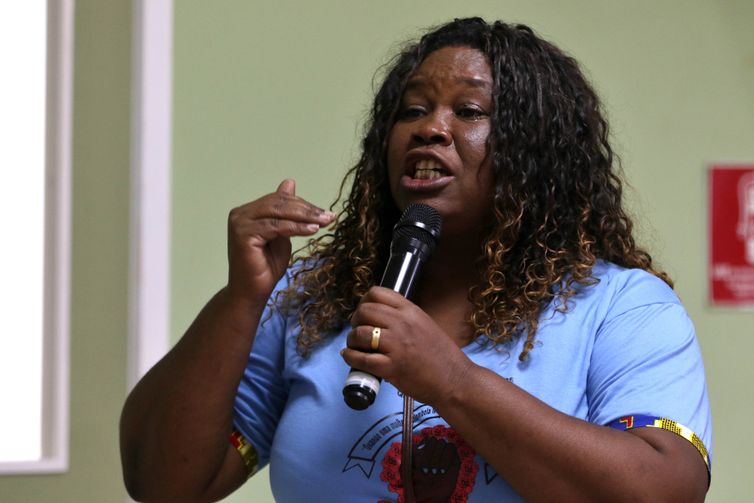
x: 540, y: 357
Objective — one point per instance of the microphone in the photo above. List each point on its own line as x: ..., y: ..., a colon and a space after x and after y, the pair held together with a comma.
x: 414, y: 239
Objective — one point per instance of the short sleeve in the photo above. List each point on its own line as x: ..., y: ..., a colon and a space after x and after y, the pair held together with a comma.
x: 262, y: 392
x: 646, y: 360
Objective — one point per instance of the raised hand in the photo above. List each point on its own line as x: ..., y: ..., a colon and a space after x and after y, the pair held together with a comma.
x: 259, y: 239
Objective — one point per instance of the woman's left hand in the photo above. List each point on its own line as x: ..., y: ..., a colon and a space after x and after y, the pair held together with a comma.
x: 414, y: 354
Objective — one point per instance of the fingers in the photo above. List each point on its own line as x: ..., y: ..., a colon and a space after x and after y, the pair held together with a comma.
x: 287, y: 187
x: 363, y: 338
x: 383, y: 308
x: 375, y: 363
x: 281, y: 213
x: 289, y: 206
x: 373, y: 313
x: 383, y: 295
x: 270, y: 228
x: 279, y: 205
x: 378, y: 306
x: 368, y: 351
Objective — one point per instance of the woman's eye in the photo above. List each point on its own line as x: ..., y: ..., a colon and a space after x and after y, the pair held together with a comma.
x: 470, y: 112
x: 411, y: 113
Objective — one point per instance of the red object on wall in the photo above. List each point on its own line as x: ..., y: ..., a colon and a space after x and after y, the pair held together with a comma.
x: 731, y: 235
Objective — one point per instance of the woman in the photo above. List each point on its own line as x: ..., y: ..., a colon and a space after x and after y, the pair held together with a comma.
x: 536, y: 323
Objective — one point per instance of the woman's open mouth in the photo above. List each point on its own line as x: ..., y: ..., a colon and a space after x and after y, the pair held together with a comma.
x: 426, y: 175
x: 428, y: 169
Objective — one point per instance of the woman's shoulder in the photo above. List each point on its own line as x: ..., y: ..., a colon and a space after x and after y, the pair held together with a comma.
x: 618, y: 290
x: 642, y: 285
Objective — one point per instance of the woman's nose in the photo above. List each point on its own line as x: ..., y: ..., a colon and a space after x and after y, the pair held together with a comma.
x: 432, y: 129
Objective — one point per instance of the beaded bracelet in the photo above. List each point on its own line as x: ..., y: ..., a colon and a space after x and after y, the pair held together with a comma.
x: 247, y: 451
x: 638, y: 421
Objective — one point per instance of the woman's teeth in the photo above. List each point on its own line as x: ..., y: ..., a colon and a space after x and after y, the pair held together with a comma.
x: 427, y: 170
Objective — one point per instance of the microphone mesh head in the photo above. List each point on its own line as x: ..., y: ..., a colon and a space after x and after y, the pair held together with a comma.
x: 421, y: 222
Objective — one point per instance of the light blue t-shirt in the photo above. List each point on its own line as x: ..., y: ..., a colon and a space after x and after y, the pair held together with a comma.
x: 625, y: 347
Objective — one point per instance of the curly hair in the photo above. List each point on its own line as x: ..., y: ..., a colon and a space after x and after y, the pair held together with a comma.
x: 557, y: 195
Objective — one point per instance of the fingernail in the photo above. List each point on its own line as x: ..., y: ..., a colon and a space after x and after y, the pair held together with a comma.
x: 342, y: 351
x: 312, y: 227
x: 330, y: 214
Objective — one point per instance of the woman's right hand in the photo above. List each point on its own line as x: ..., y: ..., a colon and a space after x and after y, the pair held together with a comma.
x: 259, y: 239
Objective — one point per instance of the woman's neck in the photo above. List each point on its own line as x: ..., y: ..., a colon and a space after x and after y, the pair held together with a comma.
x: 443, y: 293
x: 454, y: 262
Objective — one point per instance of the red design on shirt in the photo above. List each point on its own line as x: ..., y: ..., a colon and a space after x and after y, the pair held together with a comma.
x: 444, y: 467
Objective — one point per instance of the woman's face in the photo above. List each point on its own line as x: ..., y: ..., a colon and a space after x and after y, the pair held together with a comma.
x: 437, y: 148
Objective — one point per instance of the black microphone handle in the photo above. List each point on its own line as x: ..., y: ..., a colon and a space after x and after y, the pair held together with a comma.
x: 402, y: 269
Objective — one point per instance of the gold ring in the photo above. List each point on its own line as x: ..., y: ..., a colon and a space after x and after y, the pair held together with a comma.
x: 375, y: 338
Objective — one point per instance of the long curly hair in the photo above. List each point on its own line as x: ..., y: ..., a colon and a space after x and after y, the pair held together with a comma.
x: 557, y: 195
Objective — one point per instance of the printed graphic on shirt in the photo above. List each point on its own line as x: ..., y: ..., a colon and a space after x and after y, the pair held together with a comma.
x: 444, y: 468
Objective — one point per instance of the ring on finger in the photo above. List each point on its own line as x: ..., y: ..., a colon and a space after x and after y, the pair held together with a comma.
x: 376, y: 338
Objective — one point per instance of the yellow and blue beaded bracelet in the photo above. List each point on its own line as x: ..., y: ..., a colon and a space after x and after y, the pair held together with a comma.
x: 639, y: 421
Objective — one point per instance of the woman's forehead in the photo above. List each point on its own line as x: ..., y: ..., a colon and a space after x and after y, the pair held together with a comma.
x: 452, y: 66
x: 456, y: 64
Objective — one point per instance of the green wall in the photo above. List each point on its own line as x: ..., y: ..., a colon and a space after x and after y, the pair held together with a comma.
x: 266, y: 90
x: 99, y: 263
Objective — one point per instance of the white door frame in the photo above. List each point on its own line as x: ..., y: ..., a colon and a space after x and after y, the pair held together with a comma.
x: 151, y: 155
